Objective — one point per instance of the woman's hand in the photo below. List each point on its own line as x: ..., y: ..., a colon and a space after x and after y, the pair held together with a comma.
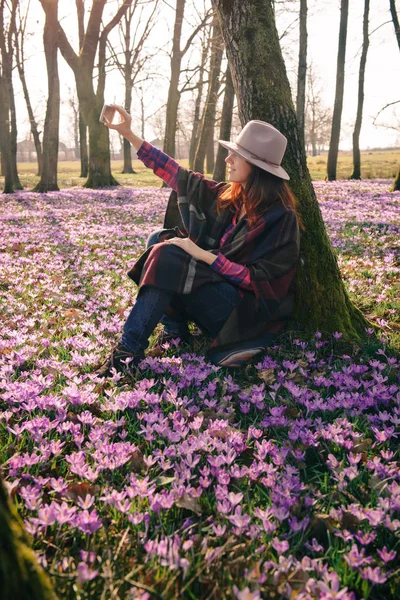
x: 193, y: 249
x: 124, y: 127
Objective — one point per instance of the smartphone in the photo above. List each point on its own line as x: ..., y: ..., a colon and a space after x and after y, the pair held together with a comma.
x: 107, y: 114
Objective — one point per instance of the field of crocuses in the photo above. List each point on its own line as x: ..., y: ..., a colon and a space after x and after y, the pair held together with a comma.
x: 278, y: 481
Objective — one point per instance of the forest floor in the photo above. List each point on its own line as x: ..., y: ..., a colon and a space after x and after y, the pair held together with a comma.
x: 280, y: 480
x: 375, y: 164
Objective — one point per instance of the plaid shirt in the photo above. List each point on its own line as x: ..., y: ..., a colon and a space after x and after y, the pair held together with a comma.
x: 167, y: 169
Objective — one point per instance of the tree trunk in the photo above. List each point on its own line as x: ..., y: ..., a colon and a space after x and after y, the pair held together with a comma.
x: 263, y: 92
x: 99, y: 152
x: 13, y: 136
x: 20, y: 575
x: 196, y: 117
x: 338, y: 106
x: 302, y: 70
x: 173, y: 91
x: 6, y: 36
x: 128, y: 104
x: 32, y: 120
x: 83, y: 146
x: 357, y: 128
x: 396, y: 183
x: 396, y: 24
x: 226, y: 126
x: 5, y: 141
x: 48, y: 178
x: 212, y: 98
x: 210, y: 155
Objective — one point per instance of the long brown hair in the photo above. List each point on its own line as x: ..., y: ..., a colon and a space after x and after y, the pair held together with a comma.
x: 262, y: 189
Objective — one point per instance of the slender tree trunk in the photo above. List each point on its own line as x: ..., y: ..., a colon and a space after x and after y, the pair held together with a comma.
x: 338, y: 106
x: 99, y: 151
x: 226, y: 126
x: 13, y: 136
x: 6, y: 36
x: 302, y: 70
x: 5, y: 140
x: 196, y: 117
x: 48, y: 179
x: 210, y: 155
x: 128, y: 104
x: 21, y: 577
x: 396, y: 24
x: 212, y: 97
x: 34, y: 128
x: 173, y: 91
x: 263, y: 92
x: 357, y: 128
x: 83, y: 146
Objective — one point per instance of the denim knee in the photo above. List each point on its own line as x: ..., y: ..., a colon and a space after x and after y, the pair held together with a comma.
x: 153, y: 238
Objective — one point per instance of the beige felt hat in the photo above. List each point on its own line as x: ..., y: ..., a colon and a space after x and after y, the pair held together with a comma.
x: 261, y: 145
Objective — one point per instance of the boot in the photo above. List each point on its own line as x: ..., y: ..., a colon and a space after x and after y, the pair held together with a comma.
x: 117, y: 361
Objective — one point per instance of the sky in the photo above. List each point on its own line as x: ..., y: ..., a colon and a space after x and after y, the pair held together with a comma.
x: 382, y: 73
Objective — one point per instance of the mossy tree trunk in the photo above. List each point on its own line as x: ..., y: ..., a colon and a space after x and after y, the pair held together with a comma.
x: 21, y: 578
x: 225, y: 128
x: 357, y: 127
x: 338, y: 106
x: 263, y: 92
x: 48, y: 175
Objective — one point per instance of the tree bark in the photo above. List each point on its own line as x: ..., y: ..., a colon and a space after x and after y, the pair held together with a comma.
x: 338, y: 106
x: 5, y: 140
x: 83, y: 146
x: 212, y: 98
x: 302, y: 69
x: 196, y: 116
x: 6, y: 47
x: 263, y: 92
x: 225, y: 128
x: 173, y: 91
x: 32, y: 121
x: 396, y: 24
x: 210, y: 155
x: 127, y: 168
x: 48, y: 178
x: 357, y: 127
x: 20, y: 575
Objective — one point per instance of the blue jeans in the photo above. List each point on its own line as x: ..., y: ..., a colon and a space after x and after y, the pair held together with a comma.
x: 209, y: 306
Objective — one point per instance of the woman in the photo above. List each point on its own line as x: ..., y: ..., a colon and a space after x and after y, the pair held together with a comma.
x: 229, y: 263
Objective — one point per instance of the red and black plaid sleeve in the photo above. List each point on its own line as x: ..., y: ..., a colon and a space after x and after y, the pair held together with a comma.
x: 236, y: 273
x: 162, y: 165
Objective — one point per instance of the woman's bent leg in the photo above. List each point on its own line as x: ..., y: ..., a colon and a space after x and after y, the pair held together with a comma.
x: 151, y: 304
x: 176, y: 326
x: 211, y: 304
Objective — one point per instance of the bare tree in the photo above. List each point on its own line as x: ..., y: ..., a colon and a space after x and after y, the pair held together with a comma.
x: 48, y: 177
x: 395, y: 19
x: 133, y: 61
x: 91, y: 101
x: 207, y: 123
x: 7, y: 33
x: 263, y: 92
x: 357, y: 127
x: 338, y: 106
x: 200, y: 84
x: 302, y: 69
x: 176, y: 61
x: 225, y: 128
x: 318, y: 117
x: 19, y: 43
